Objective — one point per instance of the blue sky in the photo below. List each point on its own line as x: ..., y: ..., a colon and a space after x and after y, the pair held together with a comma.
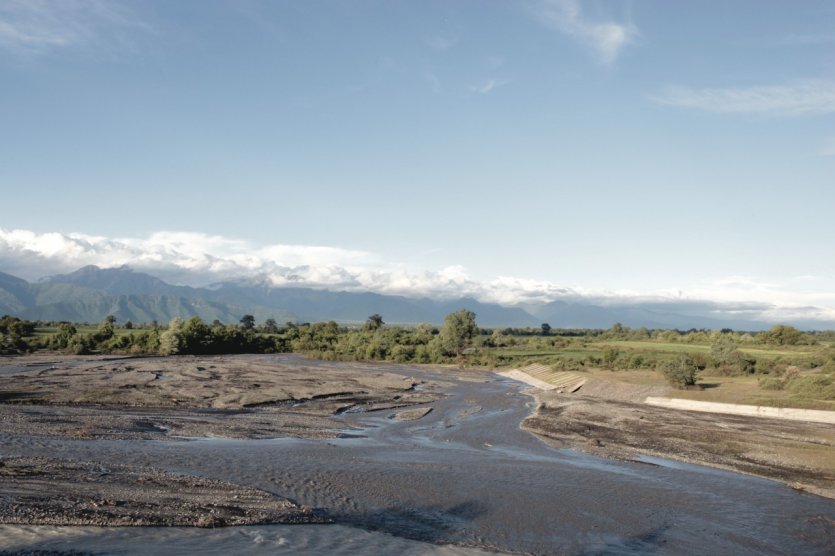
x: 623, y: 148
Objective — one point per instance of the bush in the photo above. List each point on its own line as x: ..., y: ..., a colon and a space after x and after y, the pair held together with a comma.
x: 769, y: 383
x: 610, y: 355
x: 681, y: 372
x: 820, y: 387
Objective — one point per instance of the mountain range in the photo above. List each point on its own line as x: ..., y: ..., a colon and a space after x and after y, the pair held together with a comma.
x: 91, y: 293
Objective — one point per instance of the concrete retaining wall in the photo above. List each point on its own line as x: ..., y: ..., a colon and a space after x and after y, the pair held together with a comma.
x: 789, y: 413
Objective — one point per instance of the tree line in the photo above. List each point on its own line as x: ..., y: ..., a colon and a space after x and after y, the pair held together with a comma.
x: 328, y: 340
x: 457, y: 340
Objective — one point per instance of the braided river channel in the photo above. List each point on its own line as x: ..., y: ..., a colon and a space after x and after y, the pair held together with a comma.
x: 463, y: 479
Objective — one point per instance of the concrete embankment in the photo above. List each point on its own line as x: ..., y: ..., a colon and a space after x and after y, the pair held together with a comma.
x: 793, y: 414
x: 545, y: 378
x: 527, y: 379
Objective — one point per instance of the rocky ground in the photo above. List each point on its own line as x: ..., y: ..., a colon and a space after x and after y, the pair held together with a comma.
x: 608, y: 419
x: 182, y: 397
x: 170, y: 399
x: 45, y: 491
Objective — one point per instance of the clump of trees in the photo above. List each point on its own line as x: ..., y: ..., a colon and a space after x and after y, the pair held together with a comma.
x: 377, y: 342
x: 13, y: 332
x: 783, y: 335
x: 194, y: 337
x: 327, y: 340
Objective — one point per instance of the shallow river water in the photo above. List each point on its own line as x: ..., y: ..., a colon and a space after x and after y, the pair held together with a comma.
x: 463, y: 479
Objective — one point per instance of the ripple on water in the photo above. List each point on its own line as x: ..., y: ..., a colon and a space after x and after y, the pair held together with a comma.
x: 256, y: 540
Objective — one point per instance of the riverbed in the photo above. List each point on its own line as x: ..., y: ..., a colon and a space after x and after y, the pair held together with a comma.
x: 462, y: 478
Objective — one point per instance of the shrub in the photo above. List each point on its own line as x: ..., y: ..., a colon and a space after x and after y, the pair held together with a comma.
x: 770, y: 383
x: 819, y: 387
x: 610, y: 355
x: 680, y: 372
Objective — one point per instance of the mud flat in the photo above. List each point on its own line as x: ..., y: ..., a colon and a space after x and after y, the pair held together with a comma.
x: 173, y: 399
x: 183, y: 397
x: 91, y: 494
x: 613, y: 422
x: 463, y: 477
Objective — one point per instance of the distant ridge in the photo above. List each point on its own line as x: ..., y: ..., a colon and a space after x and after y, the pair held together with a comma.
x: 91, y: 293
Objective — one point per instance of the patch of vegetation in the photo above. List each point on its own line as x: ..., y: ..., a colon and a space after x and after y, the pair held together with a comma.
x: 783, y: 358
x: 681, y: 372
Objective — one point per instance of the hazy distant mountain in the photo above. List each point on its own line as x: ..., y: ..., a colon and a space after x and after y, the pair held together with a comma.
x: 14, y: 294
x: 318, y: 305
x: 91, y: 293
x: 651, y: 315
x: 119, y: 281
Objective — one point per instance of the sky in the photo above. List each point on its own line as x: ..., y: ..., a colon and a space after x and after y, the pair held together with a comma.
x: 509, y: 150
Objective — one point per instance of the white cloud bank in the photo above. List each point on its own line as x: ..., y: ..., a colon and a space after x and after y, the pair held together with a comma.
x: 606, y: 38
x: 196, y: 259
x: 810, y: 97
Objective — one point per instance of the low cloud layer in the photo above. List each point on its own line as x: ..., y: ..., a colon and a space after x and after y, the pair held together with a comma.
x: 196, y: 259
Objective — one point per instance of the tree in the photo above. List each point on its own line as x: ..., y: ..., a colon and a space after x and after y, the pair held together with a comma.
x: 546, y: 329
x: 248, y: 322
x: 195, y: 336
x: 458, y: 331
x: 374, y: 322
x: 271, y: 326
x: 171, y: 340
x: 105, y: 330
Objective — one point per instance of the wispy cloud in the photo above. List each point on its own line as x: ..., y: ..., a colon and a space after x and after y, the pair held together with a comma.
x: 796, y: 99
x: 488, y: 86
x: 606, y: 38
x: 199, y: 259
x: 39, y: 26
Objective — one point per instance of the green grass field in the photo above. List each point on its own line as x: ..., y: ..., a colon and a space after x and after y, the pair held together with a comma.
x: 588, y: 357
x: 675, y: 347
